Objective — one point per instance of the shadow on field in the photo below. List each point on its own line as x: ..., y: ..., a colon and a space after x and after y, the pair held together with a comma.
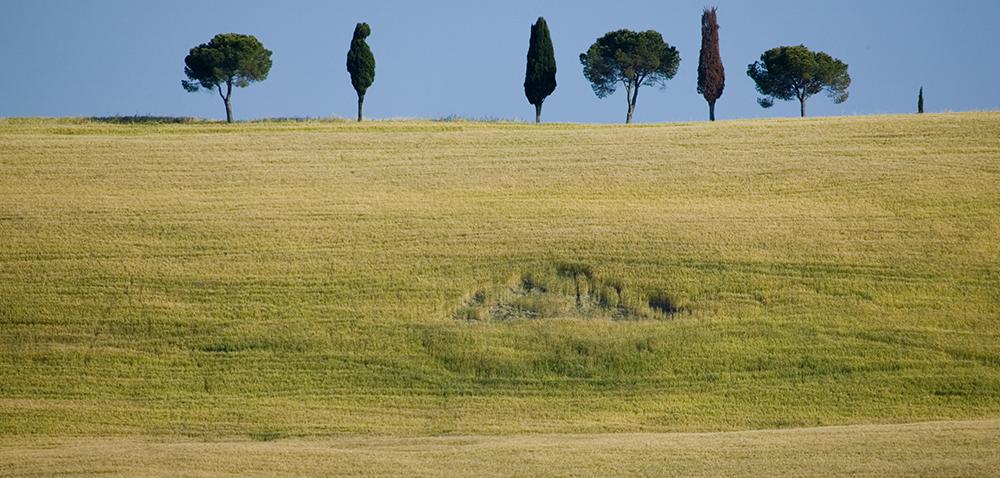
x: 146, y: 119
x: 154, y: 120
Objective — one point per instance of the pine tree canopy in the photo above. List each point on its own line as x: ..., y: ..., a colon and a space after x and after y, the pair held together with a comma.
x: 229, y: 58
x: 628, y: 57
x: 795, y: 72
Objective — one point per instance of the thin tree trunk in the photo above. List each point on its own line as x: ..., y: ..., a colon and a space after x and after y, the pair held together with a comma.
x: 227, y: 99
x: 631, y: 104
x: 628, y: 102
x: 711, y: 111
x: 361, y: 104
x: 538, y: 113
x: 802, y: 107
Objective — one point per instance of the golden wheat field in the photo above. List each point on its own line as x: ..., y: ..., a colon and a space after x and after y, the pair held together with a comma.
x: 792, y: 297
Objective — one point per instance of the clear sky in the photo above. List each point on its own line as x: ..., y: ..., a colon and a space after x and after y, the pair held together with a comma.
x: 438, y: 58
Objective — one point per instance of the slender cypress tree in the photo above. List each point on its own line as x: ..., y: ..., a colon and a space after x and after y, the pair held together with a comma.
x: 711, y: 74
x: 540, y: 75
x: 361, y: 64
x: 920, y: 101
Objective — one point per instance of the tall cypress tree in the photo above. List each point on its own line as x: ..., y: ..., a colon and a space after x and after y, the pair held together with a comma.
x: 711, y: 74
x: 540, y: 75
x: 920, y: 101
x: 361, y: 64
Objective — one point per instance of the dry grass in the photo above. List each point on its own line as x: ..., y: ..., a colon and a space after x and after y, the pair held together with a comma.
x: 926, y: 449
x: 300, y: 279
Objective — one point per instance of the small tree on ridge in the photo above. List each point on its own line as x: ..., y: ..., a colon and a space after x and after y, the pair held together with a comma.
x: 229, y: 59
x: 540, y: 74
x: 361, y: 64
x: 632, y: 59
x: 711, y: 74
x: 795, y: 72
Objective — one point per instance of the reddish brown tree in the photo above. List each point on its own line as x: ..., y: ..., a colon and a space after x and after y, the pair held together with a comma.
x: 711, y: 74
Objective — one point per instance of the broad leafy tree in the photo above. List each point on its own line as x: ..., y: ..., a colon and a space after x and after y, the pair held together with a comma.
x: 228, y: 60
x: 632, y: 59
x: 795, y: 72
x: 540, y: 75
x: 361, y: 64
x: 711, y: 74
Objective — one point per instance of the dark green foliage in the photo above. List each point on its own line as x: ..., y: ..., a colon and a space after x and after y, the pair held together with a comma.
x: 229, y: 59
x: 789, y: 72
x: 711, y: 74
x: 540, y: 74
x: 920, y: 101
x: 632, y: 59
x: 361, y: 64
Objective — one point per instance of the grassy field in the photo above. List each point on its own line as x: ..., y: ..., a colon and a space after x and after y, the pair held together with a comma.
x: 935, y: 449
x: 295, y: 282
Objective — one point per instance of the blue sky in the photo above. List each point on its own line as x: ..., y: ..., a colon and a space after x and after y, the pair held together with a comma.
x: 438, y: 58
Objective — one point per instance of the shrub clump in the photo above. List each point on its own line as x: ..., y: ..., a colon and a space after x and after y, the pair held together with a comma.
x: 565, y: 290
x: 663, y: 303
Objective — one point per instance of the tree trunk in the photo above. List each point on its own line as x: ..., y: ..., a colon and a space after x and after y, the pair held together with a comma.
x: 361, y: 104
x: 711, y: 111
x: 227, y: 98
x: 538, y: 113
x: 634, y: 93
x: 802, y: 107
x: 628, y: 103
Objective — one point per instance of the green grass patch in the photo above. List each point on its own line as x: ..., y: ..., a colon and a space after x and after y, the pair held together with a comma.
x: 312, y: 278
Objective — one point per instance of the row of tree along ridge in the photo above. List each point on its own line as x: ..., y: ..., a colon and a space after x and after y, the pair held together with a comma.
x: 621, y: 58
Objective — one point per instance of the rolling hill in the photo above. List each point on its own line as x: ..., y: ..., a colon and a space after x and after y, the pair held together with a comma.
x: 302, y: 282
